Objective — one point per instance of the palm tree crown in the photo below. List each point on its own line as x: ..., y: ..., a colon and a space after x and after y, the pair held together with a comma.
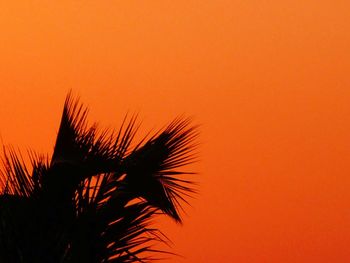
x: 93, y: 200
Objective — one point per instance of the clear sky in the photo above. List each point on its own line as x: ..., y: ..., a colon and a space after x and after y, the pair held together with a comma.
x: 269, y: 81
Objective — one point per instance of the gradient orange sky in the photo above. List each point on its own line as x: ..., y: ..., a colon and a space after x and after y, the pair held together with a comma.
x: 268, y: 80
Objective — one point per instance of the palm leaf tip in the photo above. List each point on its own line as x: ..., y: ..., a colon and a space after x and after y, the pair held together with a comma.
x: 72, y: 126
x: 152, y: 168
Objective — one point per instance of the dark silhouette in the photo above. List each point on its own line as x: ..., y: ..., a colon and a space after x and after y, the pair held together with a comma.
x: 94, y: 199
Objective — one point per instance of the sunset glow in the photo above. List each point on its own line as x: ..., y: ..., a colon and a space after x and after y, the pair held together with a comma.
x: 267, y: 81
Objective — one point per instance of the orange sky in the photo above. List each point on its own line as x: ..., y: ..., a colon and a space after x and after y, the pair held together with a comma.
x: 268, y: 80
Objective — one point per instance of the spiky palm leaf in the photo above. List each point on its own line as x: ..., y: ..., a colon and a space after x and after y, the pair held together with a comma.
x: 94, y: 199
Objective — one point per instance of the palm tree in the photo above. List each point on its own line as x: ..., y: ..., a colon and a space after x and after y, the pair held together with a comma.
x: 94, y: 199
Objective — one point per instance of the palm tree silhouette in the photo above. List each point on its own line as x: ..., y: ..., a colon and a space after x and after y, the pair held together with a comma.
x: 94, y: 199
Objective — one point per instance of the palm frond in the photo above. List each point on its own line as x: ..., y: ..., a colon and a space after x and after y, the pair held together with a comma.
x: 15, y: 178
x: 150, y: 168
x: 90, y: 150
